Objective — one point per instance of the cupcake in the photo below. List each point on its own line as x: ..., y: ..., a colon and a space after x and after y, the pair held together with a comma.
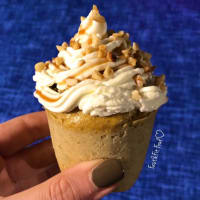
x: 100, y: 97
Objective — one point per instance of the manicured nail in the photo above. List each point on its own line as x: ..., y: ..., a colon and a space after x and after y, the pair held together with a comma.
x: 107, y: 173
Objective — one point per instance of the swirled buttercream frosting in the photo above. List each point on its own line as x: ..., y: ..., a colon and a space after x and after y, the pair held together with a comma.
x: 99, y: 72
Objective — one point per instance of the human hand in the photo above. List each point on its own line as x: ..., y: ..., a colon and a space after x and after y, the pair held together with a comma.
x: 29, y: 172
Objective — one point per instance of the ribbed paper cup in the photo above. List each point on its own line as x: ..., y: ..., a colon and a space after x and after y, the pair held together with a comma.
x: 80, y: 137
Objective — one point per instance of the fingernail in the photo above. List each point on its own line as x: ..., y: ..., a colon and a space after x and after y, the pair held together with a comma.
x: 107, y: 173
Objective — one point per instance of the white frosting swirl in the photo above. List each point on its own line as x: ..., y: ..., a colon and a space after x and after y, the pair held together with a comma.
x: 94, y: 97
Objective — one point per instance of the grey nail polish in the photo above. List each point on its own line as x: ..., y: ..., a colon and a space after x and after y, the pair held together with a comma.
x: 107, y: 173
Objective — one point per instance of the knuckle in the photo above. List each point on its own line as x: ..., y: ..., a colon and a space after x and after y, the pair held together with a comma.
x: 62, y: 189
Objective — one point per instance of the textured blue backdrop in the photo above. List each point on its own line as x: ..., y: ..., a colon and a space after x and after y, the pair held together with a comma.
x: 170, y: 30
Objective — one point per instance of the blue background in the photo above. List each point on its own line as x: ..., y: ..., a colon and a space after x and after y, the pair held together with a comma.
x: 170, y: 30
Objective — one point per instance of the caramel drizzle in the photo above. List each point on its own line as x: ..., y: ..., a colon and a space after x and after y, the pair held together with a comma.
x: 89, y: 67
x: 83, y: 30
x: 39, y: 93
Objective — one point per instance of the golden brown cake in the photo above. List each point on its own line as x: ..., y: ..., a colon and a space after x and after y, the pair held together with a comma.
x: 80, y: 137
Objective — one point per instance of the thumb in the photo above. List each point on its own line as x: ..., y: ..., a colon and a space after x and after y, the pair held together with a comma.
x: 86, y: 181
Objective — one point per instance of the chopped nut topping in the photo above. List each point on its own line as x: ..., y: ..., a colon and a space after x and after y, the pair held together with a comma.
x: 121, y: 33
x: 81, y: 62
x: 122, y: 57
x: 54, y: 60
x: 71, y: 81
x: 149, y: 68
x: 40, y: 66
x: 126, y: 36
x: 58, y: 60
x: 146, y: 56
x: 96, y: 16
x: 136, y: 95
x: 83, y: 53
x: 163, y: 87
x: 97, y: 75
x: 89, y: 50
x: 108, y: 72
x: 115, y: 35
x: 139, y: 81
x: 62, y: 47
x: 128, y: 43
x: 64, y: 44
x: 101, y: 54
x: 111, y: 57
x: 126, y: 53
x: 160, y: 82
x: 94, y: 7
x: 53, y: 66
x: 102, y: 47
x: 124, y: 44
x: 159, y: 79
x: 110, y: 32
x: 135, y: 46
x: 47, y: 63
x: 82, y: 18
x: 81, y: 31
x: 132, y: 61
x: 75, y: 45
x: 137, y: 55
x: 102, y: 51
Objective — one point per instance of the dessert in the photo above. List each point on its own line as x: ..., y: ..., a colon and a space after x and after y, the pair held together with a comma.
x: 101, y: 98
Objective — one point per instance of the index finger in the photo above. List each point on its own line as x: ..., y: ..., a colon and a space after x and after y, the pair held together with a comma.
x: 16, y: 133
